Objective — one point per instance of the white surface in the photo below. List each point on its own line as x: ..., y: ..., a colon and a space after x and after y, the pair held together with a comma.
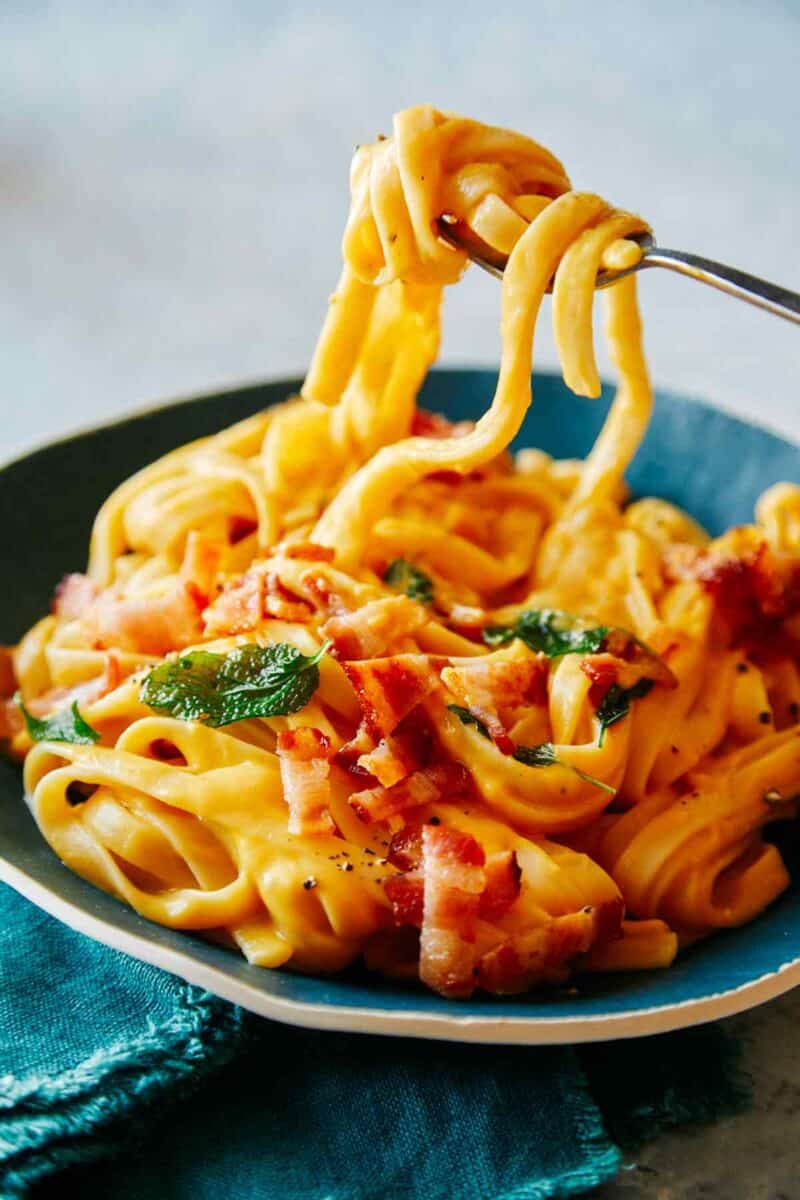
x: 173, y: 179
x: 519, y: 1031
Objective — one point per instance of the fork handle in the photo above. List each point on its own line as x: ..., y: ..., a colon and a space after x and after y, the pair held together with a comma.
x: 778, y: 300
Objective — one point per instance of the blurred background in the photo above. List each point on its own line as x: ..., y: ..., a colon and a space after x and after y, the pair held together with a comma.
x: 173, y: 180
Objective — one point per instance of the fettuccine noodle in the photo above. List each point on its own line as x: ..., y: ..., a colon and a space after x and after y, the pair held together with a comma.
x: 527, y: 727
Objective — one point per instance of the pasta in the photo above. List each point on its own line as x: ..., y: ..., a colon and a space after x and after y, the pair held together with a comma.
x: 350, y: 682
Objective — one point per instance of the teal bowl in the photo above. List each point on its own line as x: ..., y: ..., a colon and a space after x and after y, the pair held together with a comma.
x: 711, y: 464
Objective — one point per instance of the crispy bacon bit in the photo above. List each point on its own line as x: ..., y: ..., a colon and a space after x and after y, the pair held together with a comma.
x: 602, y: 671
x: 200, y: 567
x: 405, y: 848
x: 388, y: 762
x: 405, y: 894
x: 488, y: 685
x: 303, y: 754
x: 370, y: 631
x: 245, y: 602
x: 87, y: 692
x: 447, y: 780
x: 145, y: 624
x: 408, y: 749
x: 503, y: 885
x: 239, y: 608
x: 522, y: 961
x: 452, y: 865
x: 8, y: 680
x: 309, y: 551
x: 321, y: 591
x: 431, y: 424
x: 279, y: 602
x: 607, y: 919
x: 389, y: 688
x: 753, y: 591
x: 73, y: 596
x: 394, y: 952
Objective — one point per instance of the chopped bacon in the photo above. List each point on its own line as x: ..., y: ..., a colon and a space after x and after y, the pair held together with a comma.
x: 371, y: 630
x: 145, y: 624
x: 405, y: 848
x: 394, y: 952
x: 8, y: 680
x: 322, y: 592
x: 753, y: 591
x: 310, y: 551
x: 389, y: 688
x: 503, y: 885
x: 602, y: 671
x: 87, y: 692
x: 453, y: 879
x: 200, y: 567
x: 522, y: 961
x: 489, y: 684
x: 431, y: 424
x: 10, y: 720
x: 405, y: 894
x: 73, y: 596
x: 303, y: 754
x: 244, y: 603
x: 408, y: 749
x: 444, y: 781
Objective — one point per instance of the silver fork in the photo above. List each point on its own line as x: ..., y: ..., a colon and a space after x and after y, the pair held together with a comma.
x: 778, y: 300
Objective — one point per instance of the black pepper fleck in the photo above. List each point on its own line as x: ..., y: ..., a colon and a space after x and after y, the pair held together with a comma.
x: 741, y: 668
x: 765, y: 718
x: 309, y: 883
x: 434, y: 821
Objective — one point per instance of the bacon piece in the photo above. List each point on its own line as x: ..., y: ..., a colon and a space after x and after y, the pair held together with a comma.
x: 503, y: 885
x: 309, y: 551
x: 145, y: 624
x: 200, y: 567
x: 11, y: 722
x: 446, y: 780
x: 239, y: 608
x: 240, y: 527
x: 303, y: 755
x: 245, y: 602
x: 8, y: 680
x: 753, y: 591
x: 370, y: 631
x: 405, y: 848
x: 489, y: 684
x: 602, y: 670
x: 521, y: 962
x: 389, y: 688
x: 408, y: 749
x: 405, y: 894
x: 73, y: 596
x: 87, y: 692
x: 453, y: 879
x: 394, y: 952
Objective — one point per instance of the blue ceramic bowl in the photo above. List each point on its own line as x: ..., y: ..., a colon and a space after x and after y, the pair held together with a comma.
x: 710, y: 464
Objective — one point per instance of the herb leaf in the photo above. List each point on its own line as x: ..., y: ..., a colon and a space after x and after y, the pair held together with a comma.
x: 67, y: 725
x: 468, y: 718
x: 549, y: 631
x: 616, y: 704
x: 408, y: 578
x: 544, y: 755
x: 250, y: 681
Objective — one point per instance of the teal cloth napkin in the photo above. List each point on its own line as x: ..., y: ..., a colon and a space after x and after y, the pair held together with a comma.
x: 188, y: 1098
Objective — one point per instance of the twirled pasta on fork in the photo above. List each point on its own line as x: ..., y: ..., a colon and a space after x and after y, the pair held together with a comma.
x: 348, y: 680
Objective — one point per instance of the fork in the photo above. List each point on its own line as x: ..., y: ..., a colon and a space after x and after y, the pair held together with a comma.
x: 777, y: 300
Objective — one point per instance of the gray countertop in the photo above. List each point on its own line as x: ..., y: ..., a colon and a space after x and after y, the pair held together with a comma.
x: 173, y: 182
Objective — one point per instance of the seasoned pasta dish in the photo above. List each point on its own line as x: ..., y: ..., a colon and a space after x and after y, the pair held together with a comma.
x: 350, y: 682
